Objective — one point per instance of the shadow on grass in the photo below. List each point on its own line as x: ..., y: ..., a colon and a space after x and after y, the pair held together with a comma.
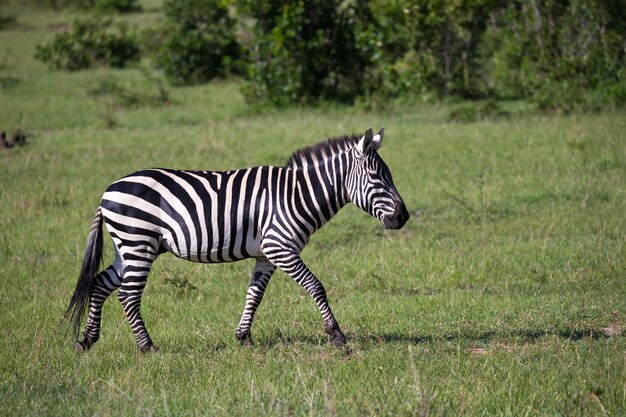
x: 523, y: 335
x: 285, y: 339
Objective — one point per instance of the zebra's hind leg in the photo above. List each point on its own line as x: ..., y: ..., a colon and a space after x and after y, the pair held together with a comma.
x: 137, y: 266
x: 263, y: 270
x: 106, y: 282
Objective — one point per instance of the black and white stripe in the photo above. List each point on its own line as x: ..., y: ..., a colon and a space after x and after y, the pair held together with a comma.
x: 266, y: 212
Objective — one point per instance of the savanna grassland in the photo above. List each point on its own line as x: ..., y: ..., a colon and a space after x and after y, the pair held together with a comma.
x: 505, y: 294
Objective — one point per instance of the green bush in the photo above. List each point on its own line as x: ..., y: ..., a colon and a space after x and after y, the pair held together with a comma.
x: 122, y: 6
x: 198, y: 41
x: 557, y: 53
x: 307, y: 50
x: 562, y: 55
x: 471, y: 111
x: 7, y: 20
x: 90, y: 43
x: 434, y: 46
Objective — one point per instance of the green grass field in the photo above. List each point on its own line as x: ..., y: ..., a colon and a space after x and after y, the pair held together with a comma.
x: 505, y: 294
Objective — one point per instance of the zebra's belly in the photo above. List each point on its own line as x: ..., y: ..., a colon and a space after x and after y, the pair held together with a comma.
x: 206, y: 252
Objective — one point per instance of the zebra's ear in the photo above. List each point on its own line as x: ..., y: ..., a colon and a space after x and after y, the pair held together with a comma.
x: 366, y: 141
x: 377, y: 141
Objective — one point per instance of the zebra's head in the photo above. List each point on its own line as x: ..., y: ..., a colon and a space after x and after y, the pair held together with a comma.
x: 370, y: 186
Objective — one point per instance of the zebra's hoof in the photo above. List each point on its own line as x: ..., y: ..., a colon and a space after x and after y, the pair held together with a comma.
x: 247, y: 342
x: 150, y: 349
x: 83, y: 346
x: 337, y: 338
x: 79, y: 347
x: 244, y: 338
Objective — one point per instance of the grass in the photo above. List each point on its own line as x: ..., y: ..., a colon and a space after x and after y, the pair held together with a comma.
x: 503, y: 295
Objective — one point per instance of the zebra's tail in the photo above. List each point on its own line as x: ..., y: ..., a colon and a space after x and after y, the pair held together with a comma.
x: 87, y: 276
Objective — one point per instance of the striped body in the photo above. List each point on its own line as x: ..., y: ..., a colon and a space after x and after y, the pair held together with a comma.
x: 215, y: 216
x: 267, y: 213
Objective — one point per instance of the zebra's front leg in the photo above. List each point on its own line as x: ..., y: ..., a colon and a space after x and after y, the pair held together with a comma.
x: 263, y: 270
x: 292, y: 265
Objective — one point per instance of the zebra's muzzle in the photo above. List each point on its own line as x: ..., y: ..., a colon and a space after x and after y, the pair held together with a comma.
x: 398, y: 218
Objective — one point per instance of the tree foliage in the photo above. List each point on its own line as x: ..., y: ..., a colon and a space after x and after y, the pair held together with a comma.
x: 560, y: 54
x: 555, y: 52
x: 306, y: 50
x: 198, y: 41
x: 89, y: 43
x: 107, y: 6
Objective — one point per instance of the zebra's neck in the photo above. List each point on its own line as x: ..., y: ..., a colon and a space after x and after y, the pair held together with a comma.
x: 321, y: 186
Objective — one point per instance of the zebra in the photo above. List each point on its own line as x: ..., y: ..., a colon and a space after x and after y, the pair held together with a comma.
x: 267, y: 213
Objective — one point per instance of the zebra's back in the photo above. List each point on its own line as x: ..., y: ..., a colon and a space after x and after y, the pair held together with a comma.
x: 203, y: 216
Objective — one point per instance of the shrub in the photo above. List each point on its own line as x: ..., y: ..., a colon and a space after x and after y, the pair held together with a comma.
x: 338, y: 50
x: 434, y: 46
x: 563, y: 55
x: 7, y: 20
x: 122, y: 6
x: 198, y: 41
x: 90, y: 43
x: 466, y: 112
x: 306, y: 50
x: 556, y: 53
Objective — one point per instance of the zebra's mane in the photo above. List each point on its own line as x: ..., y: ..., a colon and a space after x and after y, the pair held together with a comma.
x: 308, y: 156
